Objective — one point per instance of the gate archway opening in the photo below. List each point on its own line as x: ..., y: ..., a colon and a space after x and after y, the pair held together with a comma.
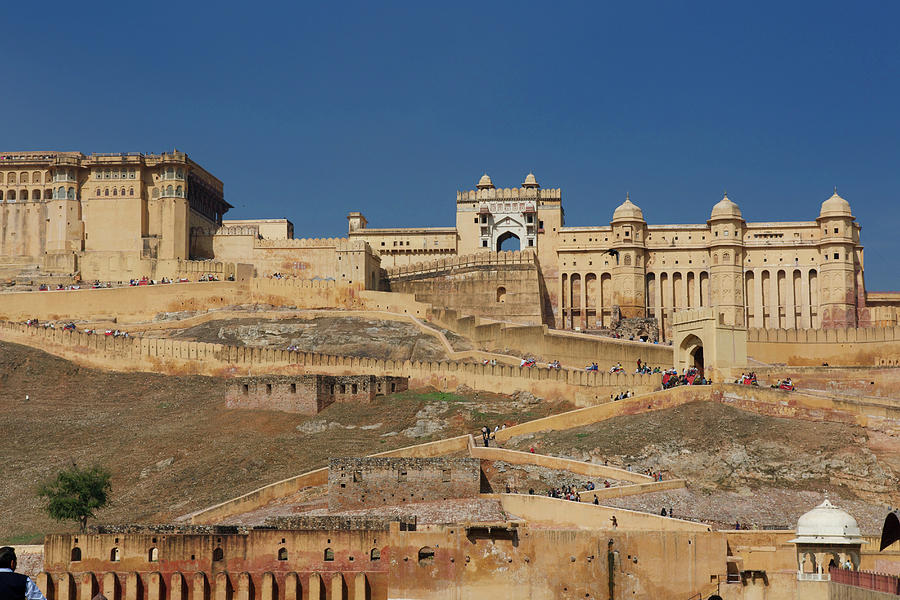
x: 505, y: 243
x: 692, y: 351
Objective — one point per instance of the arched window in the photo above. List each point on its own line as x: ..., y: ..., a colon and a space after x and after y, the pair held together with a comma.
x: 375, y: 554
x: 426, y: 555
x: 131, y: 191
x: 726, y: 258
x: 11, y: 178
x: 1, y: 195
x: 179, y: 192
x: 36, y: 177
x: 48, y: 194
x: 169, y: 190
x: 715, y: 259
x: 60, y: 193
x: 23, y: 178
x: 114, y: 554
x: 71, y: 193
x: 123, y: 192
x: 76, y: 554
x: 218, y: 554
x: 11, y: 195
x: 35, y: 194
x: 115, y: 192
x: 329, y: 554
x: 153, y: 555
x: 156, y: 192
x: 501, y: 294
x: 627, y: 260
x: 282, y: 554
x: 179, y: 174
x: 106, y: 192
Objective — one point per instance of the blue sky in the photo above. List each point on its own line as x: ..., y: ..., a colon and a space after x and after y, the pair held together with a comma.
x: 389, y: 108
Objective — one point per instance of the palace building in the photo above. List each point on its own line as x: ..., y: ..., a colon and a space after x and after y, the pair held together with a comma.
x: 115, y: 217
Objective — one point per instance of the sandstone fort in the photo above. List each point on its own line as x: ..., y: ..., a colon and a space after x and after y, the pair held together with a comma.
x: 124, y: 262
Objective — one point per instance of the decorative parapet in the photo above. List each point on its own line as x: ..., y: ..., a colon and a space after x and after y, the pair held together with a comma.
x: 509, y: 194
x: 515, y: 257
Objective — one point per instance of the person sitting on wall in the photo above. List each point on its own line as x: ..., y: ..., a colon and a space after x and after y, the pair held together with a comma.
x: 14, y: 586
x: 596, y: 499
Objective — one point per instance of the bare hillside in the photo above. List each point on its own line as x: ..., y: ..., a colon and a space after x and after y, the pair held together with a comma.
x: 172, y: 446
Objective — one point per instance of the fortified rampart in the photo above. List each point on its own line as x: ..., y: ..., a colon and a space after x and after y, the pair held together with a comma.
x: 497, y: 285
x: 874, y: 346
x: 478, y: 559
x: 182, y: 357
x: 372, y: 482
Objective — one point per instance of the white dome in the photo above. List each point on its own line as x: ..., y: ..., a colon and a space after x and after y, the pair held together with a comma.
x: 725, y: 208
x: 835, y: 206
x: 628, y: 210
x: 827, y: 524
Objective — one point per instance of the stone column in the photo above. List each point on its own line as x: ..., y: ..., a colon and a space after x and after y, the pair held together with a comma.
x: 223, y: 586
x: 44, y: 581
x: 658, y: 306
x: 759, y: 309
x: 111, y: 586
x: 315, y: 587
x: 337, y: 586
x: 292, y: 590
x: 200, y: 589
x: 790, y: 303
x: 245, y: 587
x: 805, y: 300
x: 696, y: 303
x: 177, y: 590
x: 133, y: 586
x: 66, y: 587
x: 582, y: 301
x: 155, y: 588
x: 269, y: 588
x: 359, y: 586
x: 88, y: 586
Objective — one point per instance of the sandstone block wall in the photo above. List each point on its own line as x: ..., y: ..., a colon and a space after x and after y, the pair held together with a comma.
x: 875, y: 346
x: 504, y: 286
x: 355, y: 483
x: 307, y: 394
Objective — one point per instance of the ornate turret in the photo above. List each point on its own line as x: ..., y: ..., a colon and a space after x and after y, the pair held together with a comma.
x: 838, y: 266
x: 726, y: 257
x: 485, y: 182
x: 530, y: 182
x: 628, y: 234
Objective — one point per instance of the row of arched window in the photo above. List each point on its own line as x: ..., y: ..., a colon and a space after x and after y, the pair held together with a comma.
x: 173, y: 173
x: 169, y: 191
x: 115, y: 173
x: 22, y: 195
x: 23, y: 177
x: 218, y: 554
x: 115, y: 192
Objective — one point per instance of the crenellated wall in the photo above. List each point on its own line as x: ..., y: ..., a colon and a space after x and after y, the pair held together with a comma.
x: 180, y: 357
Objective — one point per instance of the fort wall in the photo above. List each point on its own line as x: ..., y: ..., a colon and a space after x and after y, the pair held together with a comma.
x: 499, y: 285
x: 182, y: 357
x: 875, y: 346
x: 356, y: 483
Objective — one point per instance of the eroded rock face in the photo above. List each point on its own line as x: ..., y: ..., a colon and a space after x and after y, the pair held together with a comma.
x: 346, y: 336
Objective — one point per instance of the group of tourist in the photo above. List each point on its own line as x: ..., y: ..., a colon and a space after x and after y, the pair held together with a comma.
x: 487, y: 434
x: 747, y: 379
x: 784, y: 384
x: 491, y: 363
x: 592, y: 367
x: 691, y: 376
x: 621, y: 395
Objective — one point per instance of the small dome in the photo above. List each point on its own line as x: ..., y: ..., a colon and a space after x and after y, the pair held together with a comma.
x: 827, y: 524
x: 628, y: 210
x: 530, y: 181
x: 835, y: 207
x: 725, y: 208
x: 485, y: 182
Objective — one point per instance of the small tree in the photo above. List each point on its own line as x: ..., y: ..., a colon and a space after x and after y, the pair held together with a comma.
x: 76, y: 493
